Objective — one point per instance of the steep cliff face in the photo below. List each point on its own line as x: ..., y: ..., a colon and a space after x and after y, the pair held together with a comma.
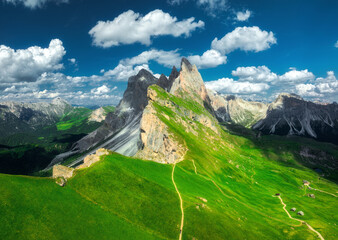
x: 121, y: 129
x: 190, y: 82
x: 233, y: 109
x: 157, y: 143
x: 289, y: 114
x: 164, y: 115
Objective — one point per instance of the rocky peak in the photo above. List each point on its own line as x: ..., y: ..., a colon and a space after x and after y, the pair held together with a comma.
x: 186, y: 65
x: 135, y: 96
x: 59, y: 101
x: 190, y: 82
x: 283, y: 96
x: 174, y: 74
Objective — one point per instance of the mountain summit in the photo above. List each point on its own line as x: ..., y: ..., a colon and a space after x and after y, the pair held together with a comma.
x: 134, y: 126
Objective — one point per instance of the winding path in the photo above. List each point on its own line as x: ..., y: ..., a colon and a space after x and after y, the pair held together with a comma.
x: 301, y: 221
x: 193, y: 162
x: 311, y: 188
x: 181, y: 202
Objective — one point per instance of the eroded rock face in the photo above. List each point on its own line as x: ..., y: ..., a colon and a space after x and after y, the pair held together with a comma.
x: 190, y: 81
x: 158, y: 144
x: 62, y: 172
x: 289, y: 114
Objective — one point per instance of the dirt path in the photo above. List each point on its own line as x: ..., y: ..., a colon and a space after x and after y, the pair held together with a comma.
x: 181, y: 202
x: 193, y: 162
x: 301, y: 221
x: 311, y: 188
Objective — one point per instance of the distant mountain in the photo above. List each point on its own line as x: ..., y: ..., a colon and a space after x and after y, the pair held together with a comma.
x: 233, y: 109
x: 26, y: 117
x: 289, y: 114
x: 31, y: 134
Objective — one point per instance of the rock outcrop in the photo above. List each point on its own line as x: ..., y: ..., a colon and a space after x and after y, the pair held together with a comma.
x: 93, y: 158
x: 97, y: 115
x: 60, y: 171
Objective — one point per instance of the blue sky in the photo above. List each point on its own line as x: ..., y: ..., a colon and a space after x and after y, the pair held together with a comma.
x: 85, y: 50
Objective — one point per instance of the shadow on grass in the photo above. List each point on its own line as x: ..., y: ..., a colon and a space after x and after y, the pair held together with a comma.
x: 320, y: 157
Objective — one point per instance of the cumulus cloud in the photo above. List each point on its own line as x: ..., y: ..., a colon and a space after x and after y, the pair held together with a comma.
x: 295, y: 76
x: 209, y: 59
x: 255, y: 74
x: 80, y: 90
x: 336, y: 44
x: 100, y: 90
x: 243, y: 16
x: 123, y: 72
x: 230, y: 86
x: 28, y: 64
x: 307, y: 90
x: 325, y: 88
x: 246, y: 39
x: 130, y: 27
x: 33, y: 4
x: 165, y: 58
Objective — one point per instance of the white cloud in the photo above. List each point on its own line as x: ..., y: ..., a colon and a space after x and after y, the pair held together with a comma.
x: 246, y: 39
x: 34, y: 3
x: 130, y: 27
x: 327, y: 86
x: 165, y: 58
x: 72, y: 60
x: 100, y: 90
x: 255, y: 74
x: 209, y: 59
x: 295, y: 76
x: 28, y: 64
x: 336, y: 44
x: 122, y: 72
x: 229, y: 86
x: 307, y: 90
x: 243, y: 16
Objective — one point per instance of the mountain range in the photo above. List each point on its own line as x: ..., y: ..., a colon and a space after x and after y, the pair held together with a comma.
x: 182, y: 162
x: 124, y: 130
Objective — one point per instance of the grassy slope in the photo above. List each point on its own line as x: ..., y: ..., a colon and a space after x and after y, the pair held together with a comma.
x: 236, y: 175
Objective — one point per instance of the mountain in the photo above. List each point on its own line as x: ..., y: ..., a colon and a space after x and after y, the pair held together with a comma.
x: 121, y: 131
x: 289, y: 114
x: 230, y: 108
x: 33, y: 133
x: 191, y: 178
x: 26, y: 117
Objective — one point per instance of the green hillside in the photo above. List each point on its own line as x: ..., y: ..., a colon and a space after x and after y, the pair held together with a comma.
x: 227, y: 183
